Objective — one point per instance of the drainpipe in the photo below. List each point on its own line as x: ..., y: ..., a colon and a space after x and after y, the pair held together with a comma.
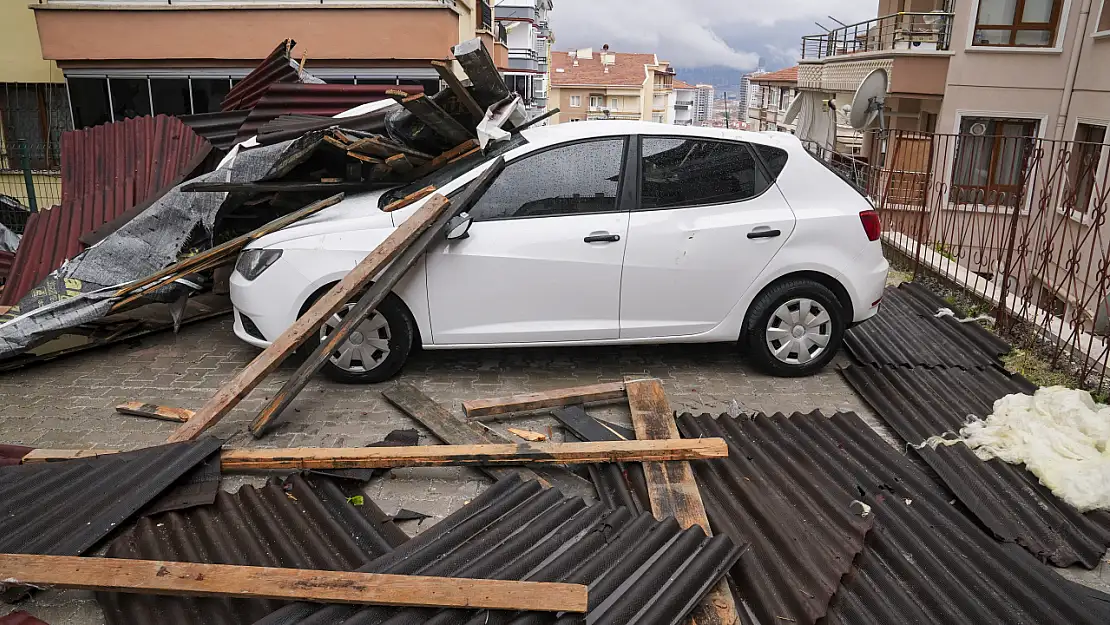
x: 1073, y: 69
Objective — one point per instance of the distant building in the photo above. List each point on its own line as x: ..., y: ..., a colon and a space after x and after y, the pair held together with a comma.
x: 703, y: 105
x: 777, y: 91
x: 749, y: 91
x: 611, y: 85
x: 684, y: 96
x: 523, y: 26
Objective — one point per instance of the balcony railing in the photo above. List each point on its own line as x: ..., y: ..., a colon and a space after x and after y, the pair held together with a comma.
x: 900, y: 31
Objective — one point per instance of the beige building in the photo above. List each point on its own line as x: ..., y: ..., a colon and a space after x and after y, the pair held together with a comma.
x: 776, y: 92
x: 611, y: 85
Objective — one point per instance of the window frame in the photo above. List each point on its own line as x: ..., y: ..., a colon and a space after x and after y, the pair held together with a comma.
x: 1055, y: 25
x: 621, y: 204
x: 1103, y: 16
x: 575, y: 98
x: 600, y: 102
x: 1011, y: 190
x: 1101, y: 167
x: 637, y: 202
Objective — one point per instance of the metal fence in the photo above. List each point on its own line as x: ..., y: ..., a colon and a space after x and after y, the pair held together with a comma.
x: 24, y: 184
x: 900, y: 31
x: 1017, y: 223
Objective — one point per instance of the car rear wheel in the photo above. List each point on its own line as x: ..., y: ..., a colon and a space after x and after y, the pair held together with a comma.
x: 377, y: 348
x: 794, y: 328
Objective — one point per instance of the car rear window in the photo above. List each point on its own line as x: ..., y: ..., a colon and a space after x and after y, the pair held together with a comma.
x: 447, y: 173
x: 685, y: 171
x: 774, y: 158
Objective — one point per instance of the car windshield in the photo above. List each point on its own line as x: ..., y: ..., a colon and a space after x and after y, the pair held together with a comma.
x: 447, y: 173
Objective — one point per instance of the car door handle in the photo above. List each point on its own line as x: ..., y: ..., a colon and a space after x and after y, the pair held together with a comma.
x: 764, y: 234
x: 602, y: 237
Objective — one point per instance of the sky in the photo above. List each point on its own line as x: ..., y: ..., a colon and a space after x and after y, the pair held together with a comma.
x: 702, y: 33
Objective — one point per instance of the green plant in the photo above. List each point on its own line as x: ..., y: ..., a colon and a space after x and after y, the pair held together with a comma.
x: 943, y: 250
x: 1036, y: 369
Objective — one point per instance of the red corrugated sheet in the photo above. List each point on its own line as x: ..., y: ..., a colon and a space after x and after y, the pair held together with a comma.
x: 106, y: 170
x: 6, y: 259
x: 311, y: 99
x: 275, y: 68
x: 19, y: 617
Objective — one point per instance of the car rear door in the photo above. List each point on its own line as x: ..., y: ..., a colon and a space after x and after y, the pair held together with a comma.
x: 542, y: 261
x: 707, y: 220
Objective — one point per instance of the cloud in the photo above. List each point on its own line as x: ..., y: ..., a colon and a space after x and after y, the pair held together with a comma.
x: 700, y: 33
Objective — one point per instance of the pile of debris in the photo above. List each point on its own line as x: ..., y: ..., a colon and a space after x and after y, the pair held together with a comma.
x: 150, y: 209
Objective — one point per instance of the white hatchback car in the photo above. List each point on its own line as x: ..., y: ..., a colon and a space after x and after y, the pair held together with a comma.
x: 597, y: 233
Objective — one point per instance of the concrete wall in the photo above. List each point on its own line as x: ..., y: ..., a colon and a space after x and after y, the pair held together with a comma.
x: 20, y: 54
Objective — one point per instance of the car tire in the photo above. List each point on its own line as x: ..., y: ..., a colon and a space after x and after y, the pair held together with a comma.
x: 784, y: 342
x: 387, y: 341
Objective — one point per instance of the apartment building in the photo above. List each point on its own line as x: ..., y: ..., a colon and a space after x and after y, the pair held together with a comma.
x: 529, y: 39
x: 611, y: 85
x: 749, y: 91
x: 157, y: 56
x: 776, y: 91
x: 703, y: 105
x: 684, y: 95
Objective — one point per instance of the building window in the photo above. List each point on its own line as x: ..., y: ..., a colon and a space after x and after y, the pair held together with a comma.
x: 1104, y: 19
x: 130, y: 97
x: 613, y: 104
x: 89, y: 97
x: 657, y: 118
x: 575, y: 102
x: 208, y: 94
x: 1051, y: 303
x: 784, y: 98
x: 1083, y: 166
x: 1021, y: 23
x: 170, y: 96
x: 36, y: 114
x: 990, y: 160
x: 596, y: 102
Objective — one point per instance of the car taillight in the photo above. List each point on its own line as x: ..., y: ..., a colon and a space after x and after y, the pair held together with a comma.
x: 871, y: 225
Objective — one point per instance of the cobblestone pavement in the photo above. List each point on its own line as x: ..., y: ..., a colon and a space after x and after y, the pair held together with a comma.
x: 69, y: 404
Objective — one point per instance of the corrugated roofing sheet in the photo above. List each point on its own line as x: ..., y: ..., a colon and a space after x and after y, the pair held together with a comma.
x: 106, y: 170
x: 19, y: 617
x: 302, y: 522
x: 907, y: 332
x: 312, y: 99
x: 220, y: 129
x: 638, y: 570
x: 1007, y: 499
x: 278, y: 66
x: 6, y: 260
x: 924, y: 561
x: 13, y: 454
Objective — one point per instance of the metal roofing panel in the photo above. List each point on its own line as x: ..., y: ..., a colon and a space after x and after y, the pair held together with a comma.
x: 276, y: 67
x: 1006, y: 498
x: 924, y: 561
x: 313, y: 99
x: 6, y: 260
x: 302, y: 522
x: 638, y: 569
x: 907, y: 332
x: 220, y: 129
x: 801, y: 542
x: 106, y: 170
x: 19, y: 617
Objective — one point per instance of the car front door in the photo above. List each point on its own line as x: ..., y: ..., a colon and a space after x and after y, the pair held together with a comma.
x: 707, y: 221
x: 542, y: 260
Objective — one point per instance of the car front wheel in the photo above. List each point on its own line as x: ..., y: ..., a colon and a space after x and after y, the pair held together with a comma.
x: 794, y: 328
x: 376, y: 349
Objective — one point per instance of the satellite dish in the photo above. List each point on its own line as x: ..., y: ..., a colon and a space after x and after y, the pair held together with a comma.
x: 793, y: 110
x: 978, y: 129
x: 868, y: 103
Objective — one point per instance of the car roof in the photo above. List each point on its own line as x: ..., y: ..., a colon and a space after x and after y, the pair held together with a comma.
x: 570, y: 131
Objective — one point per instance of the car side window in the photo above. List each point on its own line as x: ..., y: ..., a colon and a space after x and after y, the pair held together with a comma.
x: 572, y: 179
x: 696, y: 172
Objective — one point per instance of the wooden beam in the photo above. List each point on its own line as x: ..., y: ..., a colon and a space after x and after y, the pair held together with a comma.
x: 672, y: 489
x: 55, y: 455
x: 154, y: 411
x: 436, y: 213
x: 436, y: 118
x: 259, y: 582
x: 460, y: 90
x: 545, y: 399
x: 399, y: 163
x: 464, y: 155
x: 231, y: 393
x: 376, y: 146
x: 488, y: 87
x: 409, y: 199
x: 471, y: 455
x: 369, y: 160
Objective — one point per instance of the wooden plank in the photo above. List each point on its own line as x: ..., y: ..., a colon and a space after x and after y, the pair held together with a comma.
x: 545, y: 399
x: 364, y: 158
x: 376, y: 146
x: 460, y: 90
x: 279, y: 187
x: 409, y: 199
x: 528, y: 435
x: 487, y: 455
x: 259, y: 582
x: 436, y: 118
x: 56, y: 455
x: 399, y: 164
x: 672, y: 489
x: 154, y: 411
x: 462, y: 156
x: 488, y: 87
x: 231, y: 393
x: 441, y: 160
x: 440, y: 213
x: 342, y: 145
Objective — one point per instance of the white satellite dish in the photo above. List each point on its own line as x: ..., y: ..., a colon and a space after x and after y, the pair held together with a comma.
x: 868, y: 103
x: 793, y: 110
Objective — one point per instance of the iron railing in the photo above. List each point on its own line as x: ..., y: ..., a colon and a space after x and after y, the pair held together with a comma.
x: 900, y: 31
x: 25, y: 182
x: 486, y: 12
x: 1017, y: 224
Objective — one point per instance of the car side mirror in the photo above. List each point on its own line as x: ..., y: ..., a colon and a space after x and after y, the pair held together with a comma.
x: 459, y: 226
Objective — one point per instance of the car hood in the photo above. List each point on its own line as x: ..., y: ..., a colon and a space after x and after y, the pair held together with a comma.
x: 355, y: 212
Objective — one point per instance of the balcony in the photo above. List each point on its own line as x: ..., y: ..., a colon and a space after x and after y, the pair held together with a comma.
x: 910, y: 32
x: 683, y: 103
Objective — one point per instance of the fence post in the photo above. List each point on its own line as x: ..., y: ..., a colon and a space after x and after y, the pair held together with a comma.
x: 28, y: 179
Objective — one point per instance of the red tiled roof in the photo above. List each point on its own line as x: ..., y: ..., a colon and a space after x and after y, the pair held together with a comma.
x: 678, y: 84
x: 789, y: 74
x: 628, y: 71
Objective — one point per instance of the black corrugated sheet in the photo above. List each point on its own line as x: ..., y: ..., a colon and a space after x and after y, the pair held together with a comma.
x: 1007, y: 499
x: 638, y: 570
x: 219, y: 128
x: 617, y: 484
x: 303, y: 522
x: 906, y: 332
x: 923, y: 561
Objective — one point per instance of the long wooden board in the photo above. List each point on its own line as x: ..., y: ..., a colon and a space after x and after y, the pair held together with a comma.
x: 259, y: 582
x: 154, y: 411
x: 231, y: 393
x: 460, y: 91
x: 672, y: 489
x: 545, y: 399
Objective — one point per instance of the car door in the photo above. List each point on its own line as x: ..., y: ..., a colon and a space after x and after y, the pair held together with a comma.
x: 707, y: 221
x: 542, y: 260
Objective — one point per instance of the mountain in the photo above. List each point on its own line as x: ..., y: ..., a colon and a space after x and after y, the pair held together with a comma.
x: 721, y: 77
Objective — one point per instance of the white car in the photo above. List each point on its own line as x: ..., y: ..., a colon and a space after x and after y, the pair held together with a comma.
x: 597, y: 233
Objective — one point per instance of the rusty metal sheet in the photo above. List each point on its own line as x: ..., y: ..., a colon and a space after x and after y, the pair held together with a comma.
x: 6, y: 260
x: 220, y: 129
x: 1007, y: 499
x: 13, y: 454
x: 106, y: 170
x: 278, y: 66
x: 638, y: 569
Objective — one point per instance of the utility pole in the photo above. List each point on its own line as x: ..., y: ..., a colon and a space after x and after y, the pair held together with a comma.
x: 726, y: 110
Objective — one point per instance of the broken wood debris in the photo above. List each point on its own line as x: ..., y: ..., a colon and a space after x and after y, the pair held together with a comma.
x: 528, y: 435
x: 460, y: 91
x: 436, y: 118
x: 556, y: 398
x: 154, y: 411
x: 259, y: 582
x: 409, y: 199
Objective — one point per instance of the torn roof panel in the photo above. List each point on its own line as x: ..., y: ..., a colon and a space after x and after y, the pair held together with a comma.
x: 1009, y: 500
x: 276, y: 67
x: 106, y: 170
x: 924, y: 561
x: 303, y: 522
x: 220, y: 129
x: 638, y: 569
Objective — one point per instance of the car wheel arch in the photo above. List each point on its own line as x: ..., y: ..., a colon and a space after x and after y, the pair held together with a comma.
x: 824, y: 279
x: 315, y: 295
